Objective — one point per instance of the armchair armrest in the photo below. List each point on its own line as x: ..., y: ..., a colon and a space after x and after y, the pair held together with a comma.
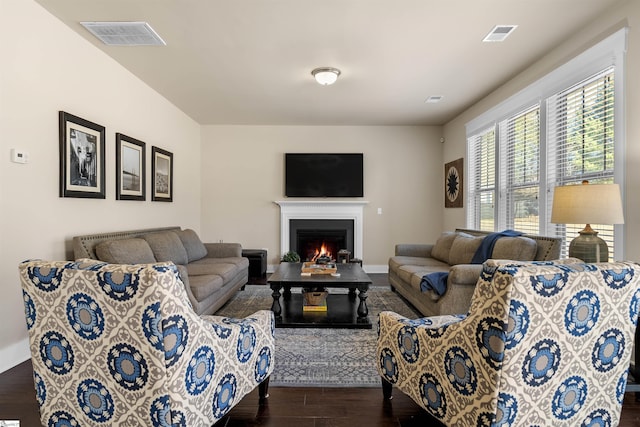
x: 416, y: 250
x: 223, y: 250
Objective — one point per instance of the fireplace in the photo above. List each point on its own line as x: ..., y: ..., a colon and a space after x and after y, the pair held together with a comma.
x: 313, y: 238
x: 323, y: 210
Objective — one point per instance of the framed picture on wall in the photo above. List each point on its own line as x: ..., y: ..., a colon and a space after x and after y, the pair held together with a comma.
x: 162, y: 173
x: 130, y: 168
x: 453, y: 176
x: 81, y: 157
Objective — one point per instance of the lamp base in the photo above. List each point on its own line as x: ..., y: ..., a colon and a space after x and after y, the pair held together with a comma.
x: 589, y: 247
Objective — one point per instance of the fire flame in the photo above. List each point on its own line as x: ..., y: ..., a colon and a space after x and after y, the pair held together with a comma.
x: 322, y: 252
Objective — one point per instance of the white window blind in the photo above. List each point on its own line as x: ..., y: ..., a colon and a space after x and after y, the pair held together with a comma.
x: 520, y: 171
x: 581, y: 141
x: 482, y: 180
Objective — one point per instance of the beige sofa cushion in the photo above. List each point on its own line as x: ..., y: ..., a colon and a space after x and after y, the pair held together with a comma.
x: 166, y: 246
x: 442, y: 248
x: 520, y: 248
x: 125, y: 251
x: 463, y: 248
x: 193, y: 245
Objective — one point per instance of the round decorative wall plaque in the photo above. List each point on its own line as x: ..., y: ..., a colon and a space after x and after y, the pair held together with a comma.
x: 453, y: 184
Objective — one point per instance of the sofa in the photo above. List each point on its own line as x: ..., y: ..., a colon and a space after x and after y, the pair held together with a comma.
x: 452, y: 254
x: 212, y: 272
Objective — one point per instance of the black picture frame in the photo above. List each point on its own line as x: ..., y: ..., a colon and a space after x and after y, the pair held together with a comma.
x: 130, y: 168
x: 82, y: 157
x: 162, y: 175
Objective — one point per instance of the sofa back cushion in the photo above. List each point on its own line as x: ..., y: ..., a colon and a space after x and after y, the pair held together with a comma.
x: 166, y: 246
x: 463, y: 248
x: 442, y: 248
x: 193, y: 245
x: 515, y: 248
x: 125, y: 251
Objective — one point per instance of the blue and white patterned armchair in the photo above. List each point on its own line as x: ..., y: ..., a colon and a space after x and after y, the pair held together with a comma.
x: 542, y: 344
x: 120, y: 345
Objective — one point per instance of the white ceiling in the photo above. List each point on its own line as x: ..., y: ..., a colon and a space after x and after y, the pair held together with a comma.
x: 250, y: 61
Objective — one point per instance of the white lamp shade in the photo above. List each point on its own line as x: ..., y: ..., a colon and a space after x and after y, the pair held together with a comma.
x: 587, y: 204
x: 326, y: 76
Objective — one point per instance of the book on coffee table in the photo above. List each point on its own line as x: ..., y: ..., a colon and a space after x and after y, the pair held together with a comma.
x: 315, y: 308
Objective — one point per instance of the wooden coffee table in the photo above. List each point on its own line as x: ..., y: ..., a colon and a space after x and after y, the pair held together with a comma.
x: 344, y: 310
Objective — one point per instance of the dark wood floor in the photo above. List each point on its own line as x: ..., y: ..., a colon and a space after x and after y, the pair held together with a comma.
x: 286, y: 406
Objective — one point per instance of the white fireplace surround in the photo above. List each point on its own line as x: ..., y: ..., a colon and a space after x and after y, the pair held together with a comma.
x: 326, y: 209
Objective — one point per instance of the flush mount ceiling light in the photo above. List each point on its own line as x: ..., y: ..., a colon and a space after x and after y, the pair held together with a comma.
x: 124, y: 33
x: 326, y: 75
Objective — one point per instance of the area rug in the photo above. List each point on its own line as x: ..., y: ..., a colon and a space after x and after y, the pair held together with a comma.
x: 317, y: 357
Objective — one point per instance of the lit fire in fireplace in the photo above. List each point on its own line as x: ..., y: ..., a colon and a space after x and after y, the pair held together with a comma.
x: 323, y: 251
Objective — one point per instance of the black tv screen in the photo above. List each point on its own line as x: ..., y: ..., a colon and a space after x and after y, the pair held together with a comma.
x: 324, y: 175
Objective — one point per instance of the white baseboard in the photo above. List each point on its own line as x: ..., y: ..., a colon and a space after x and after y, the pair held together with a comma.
x: 376, y: 269
x: 14, y: 354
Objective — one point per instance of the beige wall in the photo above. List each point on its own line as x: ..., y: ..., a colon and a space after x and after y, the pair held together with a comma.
x: 45, y: 68
x: 243, y: 174
x: 626, y: 14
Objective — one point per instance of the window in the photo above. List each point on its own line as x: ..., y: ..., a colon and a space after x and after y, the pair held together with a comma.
x: 581, y: 144
x: 482, y: 179
x: 559, y: 131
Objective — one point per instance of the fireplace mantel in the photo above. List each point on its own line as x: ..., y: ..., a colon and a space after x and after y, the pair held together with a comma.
x: 325, y: 209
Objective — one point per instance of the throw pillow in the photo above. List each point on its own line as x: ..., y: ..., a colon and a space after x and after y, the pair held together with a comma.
x: 442, y: 247
x: 125, y: 251
x: 166, y: 246
x: 463, y: 248
x: 192, y: 243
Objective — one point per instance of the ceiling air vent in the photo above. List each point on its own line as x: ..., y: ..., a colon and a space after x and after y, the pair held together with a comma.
x: 499, y: 33
x: 124, y: 33
x: 433, y: 99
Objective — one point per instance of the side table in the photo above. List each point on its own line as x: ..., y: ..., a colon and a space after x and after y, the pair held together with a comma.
x: 257, y: 262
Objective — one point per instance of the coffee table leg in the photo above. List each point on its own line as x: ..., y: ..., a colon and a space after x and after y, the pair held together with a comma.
x: 275, y: 307
x: 363, y: 310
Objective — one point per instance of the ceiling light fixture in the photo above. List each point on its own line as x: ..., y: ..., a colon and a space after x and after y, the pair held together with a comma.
x: 326, y: 75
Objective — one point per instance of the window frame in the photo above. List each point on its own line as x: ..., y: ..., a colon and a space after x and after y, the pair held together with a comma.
x: 608, y: 53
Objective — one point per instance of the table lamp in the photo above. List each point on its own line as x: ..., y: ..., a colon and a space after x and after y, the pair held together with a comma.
x: 587, y: 204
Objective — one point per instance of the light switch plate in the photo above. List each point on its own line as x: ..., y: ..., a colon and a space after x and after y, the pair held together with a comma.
x: 18, y: 156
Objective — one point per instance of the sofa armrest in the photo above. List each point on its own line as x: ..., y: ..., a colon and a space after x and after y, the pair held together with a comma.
x: 223, y: 250
x: 464, y: 274
x: 416, y: 250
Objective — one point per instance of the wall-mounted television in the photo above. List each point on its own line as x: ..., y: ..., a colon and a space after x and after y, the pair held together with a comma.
x: 324, y: 175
